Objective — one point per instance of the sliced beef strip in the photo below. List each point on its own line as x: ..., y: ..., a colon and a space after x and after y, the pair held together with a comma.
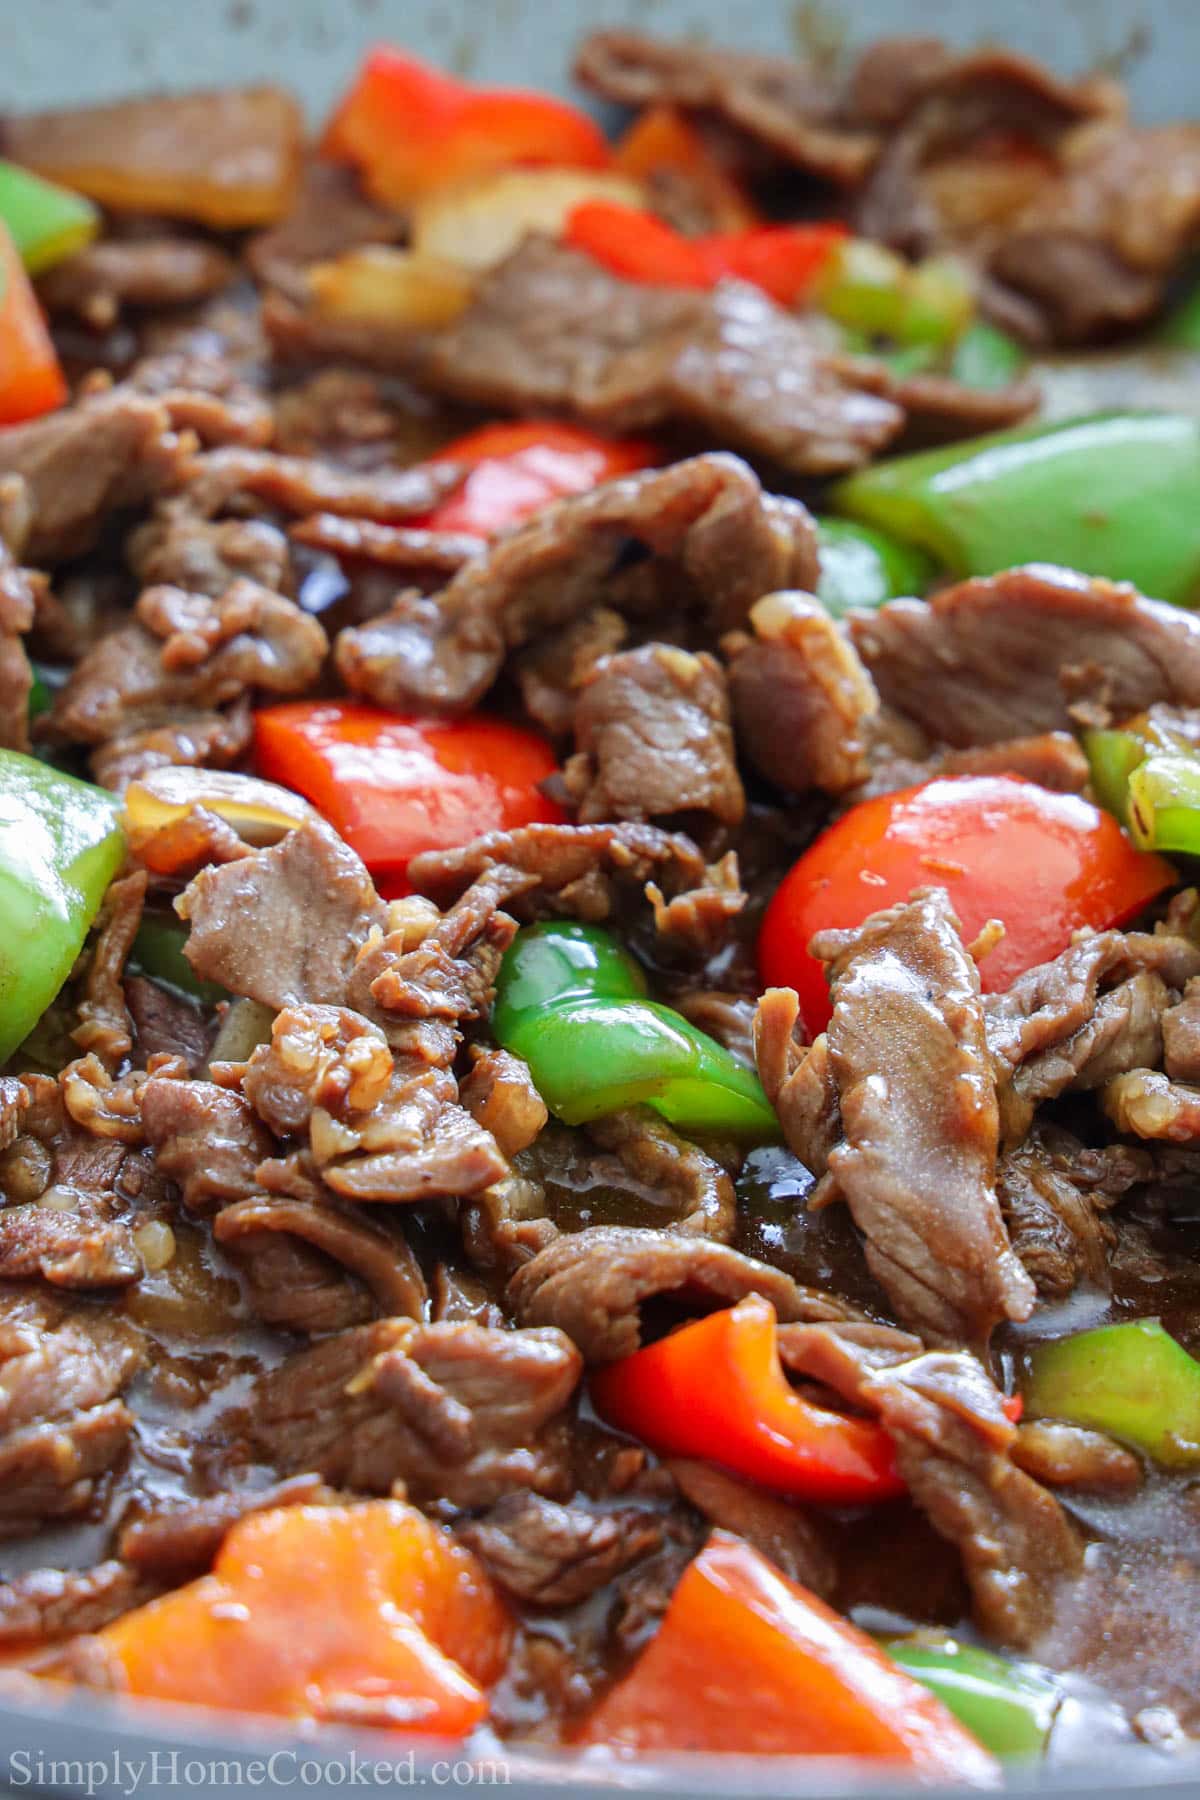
x: 791, y: 110
x: 330, y: 215
x: 165, y: 1022
x: 593, y: 1283
x: 81, y: 466
x: 499, y: 1095
x: 802, y: 702
x: 1056, y: 1223
x: 105, y: 1027
x: 407, y: 553
x: 81, y: 1248
x: 283, y: 926
x: 790, y: 1538
x: 205, y: 1139
x: 699, y: 1191
x: 175, y: 1540
x: 380, y: 1259
x: 1033, y: 649
x: 920, y: 1120
x: 653, y: 739
x: 209, y: 379
x: 457, y: 1412
x: 1181, y: 1036
x: 800, y: 1083
x: 44, y: 1606
x: 549, y: 329
x: 237, y: 477
x: 208, y: 740
x: 548, y: 1554
x: 550, y: 674
x: 142, y: 272
x: 716, y: 540
x: 17, y: 601
x: 1061, y: 1455
x: 176, y: 548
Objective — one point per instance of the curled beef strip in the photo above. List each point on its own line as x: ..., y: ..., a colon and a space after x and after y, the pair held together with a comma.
x: 800, y: 1083
x: 457, y: 1412
x: 175, y: 548
x: 715, y: 538
x: 17, y: 604
x: 236, y: 477
x: 802, y: 702
x: 100, y: 457
x: 1181, y: 1036
x: 1033, y: 649
x: 786, y: 1535
x: 699, y: 1190
x: 105, y: 1026
x: 499, y: 1095
x: 152, y: 272
x: 548, y: 1554
x: 1069, y: 1456
x: 44, y: 1606
x: 653, y: 739
x: 917, y: 1099
x: 593, y: 1283
x: 1055, y: 1215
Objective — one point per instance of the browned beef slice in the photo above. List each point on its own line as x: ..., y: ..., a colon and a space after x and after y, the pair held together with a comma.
x: 379, y: 1258
x: 1070, y: 1456
x: 549, y: 328
x: 209, y: 384
x: 206, y: 1139
x: 104, y: 1023
x: 237, y: 476
x: 82, y: 1247
x: 408, y: 553
x: 653, y: 739
x: 549, y: 1554
x: 789, y: 1537
x: 1148, y: 1104
x: 285, y: 925
x: 1011, y: 654
x: 17, y: 595
x: 1181, y: 1036
x: 43, y: 1606
x: 165, y: 1022
x: 499, y: 1095
x: 802, y: 700
x: 330, y: 215
x: 698, y: 1191
x: 14, y: 1103
x: 713, y: 534
x: 920, y: 1120
x: 456, y: 1412
x: 791, y: 109
x: 102, y: 456
x: 176, y: 548
x: 1056, y: 1223
x: 154, y: 272
x: 417, y: 1143
x: 593, y: 1283
x: 800, y: 1083
x: 62, y: 1423
x: 177, y: 1539
x: 1053, y: 759
x: 209, y: 740
x: 551, y: 673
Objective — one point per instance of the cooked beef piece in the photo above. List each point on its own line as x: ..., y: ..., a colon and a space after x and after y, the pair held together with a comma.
x: 499, y: 1095
x: 726, y: 1016
x: 1181, y: 1036
x: 144, y: 272
x: 105, y: 1027
x: 551, y: 673
x: 802, y: 701
x: 17, y: 601
x: 178, y: 1539
x: 1053, y: 759
x: 1069, y: 1456
x: 426, y: 559
x: 938, y: 408
x: 43, y: 1606
x: 715, y: 539
x: 787, y: 108
x: 330, y: 215
x: 165, y: 1022
x: 653, y: 739
x: 456, y: 1412
x: 547, y: 1554
x: 1148, y: 1104
x: 592, y: 1284
x: 206, y: 556
x: 1056, y: 1223
x: 1033, y: 649
x: 550, y: 330
x: 319, y: 1056
x: 62, y: 1423
x: 920, y: 1122
x: 283, y: 926
x: 800, y: 1083
x: 79, y: 1246
x: 205, y: 391
x: 236, y: 477
x: 209, y: 740
x: 81, y: 466
x: 379, y: 1258
x: 787, y: 1536
x: 206, y: 1139
x: 697, y: 1190
x: 14, y: 1104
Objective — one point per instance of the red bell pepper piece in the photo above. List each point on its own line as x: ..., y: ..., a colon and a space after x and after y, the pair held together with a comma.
x: 411, y: 129
x: 514, y: 470
x: 663, y: 140
x: 1043, y: 864
x: 783, y: 260
x: 747, y: 1660
x: 716, y: 1390
x: 395, y: 786
x: 31, y: 381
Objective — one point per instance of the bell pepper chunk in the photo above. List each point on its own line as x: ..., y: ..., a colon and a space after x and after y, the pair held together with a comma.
x: 1133, y: 1381
x: 663, y: 141
x: 1117, y: 495
x: 410, y: 129
x: 1010, y: 1707
x: 747, y: 1660
x: 864, y: 567
x: 513, y: 470
x: 366, y: 1613
x: 716, y: 1390
x: 395, y: 786
x: 45, y: 221
x: 31, y: 381
x: 156, y: 155
x: 784, y: 260
x: 61, y: 843
x: 1163, y: 803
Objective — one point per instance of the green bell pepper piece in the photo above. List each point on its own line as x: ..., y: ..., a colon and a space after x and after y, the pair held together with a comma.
x: 1163, y: 806
x: 47, y: 223
x: 1112, y: 757
x: 1009, y: 1707
x: 571, y: 1003
x: 1132, y: 1381
x: 158, y: 952
x: 863, y: 567
x: 1116, y: 494
x: 60, y: 846
x: 986, y: 357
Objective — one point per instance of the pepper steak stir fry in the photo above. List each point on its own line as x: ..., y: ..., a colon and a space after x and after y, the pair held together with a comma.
x: 585, y: 1068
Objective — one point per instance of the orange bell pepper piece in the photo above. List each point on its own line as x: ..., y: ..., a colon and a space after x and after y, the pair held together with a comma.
x: 662, y: 140
x: 513, y: 470
x: 411, y: 129
x: 716, y: 1390
x: 746, y: 1660
x: 783, y: 260
x: 31, y: 381
x: 366, y: 1613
